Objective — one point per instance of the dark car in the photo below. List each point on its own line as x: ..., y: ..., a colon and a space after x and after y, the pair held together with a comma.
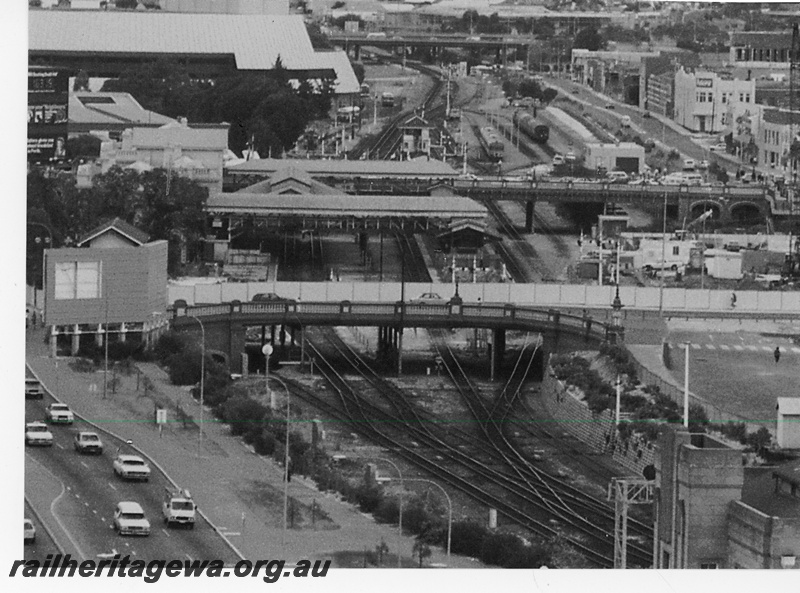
x: 267, y: 296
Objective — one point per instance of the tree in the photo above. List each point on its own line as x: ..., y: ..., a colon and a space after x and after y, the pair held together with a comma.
x: 84, y: 145
x: 421, y: 550
x: 588, y: 38
x: 318, y: 39
x: 81, y: 81
x: 126, y: 4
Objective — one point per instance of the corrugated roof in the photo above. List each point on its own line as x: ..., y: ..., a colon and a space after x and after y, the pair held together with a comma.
x: 120, y: 226
x: 432, y: 168
x: 255, y: 41
x: 346, y: 80
x: 123, y: 108
x: 356, y: 206
x: 762, y: 39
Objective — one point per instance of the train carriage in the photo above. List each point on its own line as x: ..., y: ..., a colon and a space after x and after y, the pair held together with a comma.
x: 492, y: 143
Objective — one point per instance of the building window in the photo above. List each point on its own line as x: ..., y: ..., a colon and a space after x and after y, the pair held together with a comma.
x: 77, y: 280
x: 724, y: 97
x: 747, y: 98
x: 676, y: 250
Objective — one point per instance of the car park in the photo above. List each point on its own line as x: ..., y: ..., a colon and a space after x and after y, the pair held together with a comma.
x: 30, y: 531
x: 88, y: 442
x: 38, y: 434
x: 33, y: 388
x: 129, y: 519
x: 59, y: 414
x: 131, y: 467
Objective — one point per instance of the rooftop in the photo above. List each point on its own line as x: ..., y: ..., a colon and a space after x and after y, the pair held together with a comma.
x: 761, y: 39
x: 255, y: 41
x: 758, y: 491
x: 314, y: 167
x: 780, y: 117
x: 111, y: 108
x: 183, y: 135
x: 118, y: 225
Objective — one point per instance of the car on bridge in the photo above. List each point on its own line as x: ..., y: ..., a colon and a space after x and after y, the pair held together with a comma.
x: 267, y: 296
x: 428, y: 298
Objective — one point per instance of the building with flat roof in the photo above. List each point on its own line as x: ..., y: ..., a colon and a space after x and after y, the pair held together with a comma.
x: 226, y: 6
x: 704, y: 100
x: 761, y: 51
x: 622, y: 156
x: 109, y: 114
x: 774, y: 140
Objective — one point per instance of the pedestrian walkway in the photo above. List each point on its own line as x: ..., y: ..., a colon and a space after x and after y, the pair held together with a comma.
x: 241, y: 493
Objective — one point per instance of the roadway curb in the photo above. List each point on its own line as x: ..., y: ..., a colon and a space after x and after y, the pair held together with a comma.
x: 49, y: 532
x: 146, y: 456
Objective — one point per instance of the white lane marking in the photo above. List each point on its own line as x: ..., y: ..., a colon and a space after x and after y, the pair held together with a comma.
x: 796, y: 350
x: 165, y: 532
x: 59, y: 445
x: 227, y: 533
x: 766, y: 348
x: 696, y: 346
x: 752, y: 348
x: 112, y: 486
x: 84, y: 464
x: 189, y: 557
x: 53, y: 508
x: 86, y: 504
x: 78, y: 496
x: 711, y: 346
x: 738, y: 348
x: 724, y: 347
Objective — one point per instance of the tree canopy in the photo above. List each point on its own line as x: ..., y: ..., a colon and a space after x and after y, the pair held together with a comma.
x: 589, y: 38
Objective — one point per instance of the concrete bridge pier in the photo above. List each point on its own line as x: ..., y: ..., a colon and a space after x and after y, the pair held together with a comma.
x: 529, y: 215
x: 497, y: 351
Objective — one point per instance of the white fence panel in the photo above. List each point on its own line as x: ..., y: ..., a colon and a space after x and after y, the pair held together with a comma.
x: 176, y: 292
x: 546, y: 294
x: 573, y: 294
x: 769, y: 301
x: 698, y: 299
x: 599, y: 296
x: 675, y: 298
x: 208, y: 293
x: 506, y: 293
x: 234, y: 291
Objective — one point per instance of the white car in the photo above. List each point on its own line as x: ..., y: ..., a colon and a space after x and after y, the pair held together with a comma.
x: 570, y: 157
x: 30, y: 531
x: 719, y: 147
x: 37, y: 433
x: 689, y: 165
x: 428, y: 298
x: 558, y: 160
x: 59, y: 414
x: 617, y: 177
x: 131, y: 467
x: 88, y: 442
x: 129, y: 519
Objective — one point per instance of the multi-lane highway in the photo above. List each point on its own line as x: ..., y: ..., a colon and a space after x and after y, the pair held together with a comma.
x: 75, y: 495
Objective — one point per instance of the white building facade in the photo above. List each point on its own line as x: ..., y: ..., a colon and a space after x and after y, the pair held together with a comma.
x: 704, y: 101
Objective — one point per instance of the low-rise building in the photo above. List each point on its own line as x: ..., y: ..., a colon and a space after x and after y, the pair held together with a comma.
x: 704, y: 99
x: 113, y: 282
x: 774, y: 141
x: 623, y: 156
x: 759, y: 53
x: 107, y: 114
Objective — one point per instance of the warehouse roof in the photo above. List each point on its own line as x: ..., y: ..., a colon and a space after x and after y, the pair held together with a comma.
x: 761, y: 39
x: 254, y: 40
x: 346, y: 81
x: 416, y: 168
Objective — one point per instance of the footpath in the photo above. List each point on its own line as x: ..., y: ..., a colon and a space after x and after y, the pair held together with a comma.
x: 239, y: 492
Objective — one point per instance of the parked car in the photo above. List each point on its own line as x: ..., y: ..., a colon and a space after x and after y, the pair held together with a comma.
x: 617, y: 177
x: 558, y: 160
x: 719, y: 147
x: 30, y: 531
x: 59, y: 414
x: 689, y: 164
x: 610, y: 106
x: 646, y: 115
x: 703, y: 165
x: 570, y: 157
x: 88, y: 442
x: 266, y: 296
x: 129, y: 519
x: 131, y: 467
x: 37, y: 433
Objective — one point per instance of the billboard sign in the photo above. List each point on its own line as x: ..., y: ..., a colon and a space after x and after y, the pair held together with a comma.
x: 48, y: 100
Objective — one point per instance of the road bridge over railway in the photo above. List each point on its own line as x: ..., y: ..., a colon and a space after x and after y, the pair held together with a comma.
x: 225, y: 325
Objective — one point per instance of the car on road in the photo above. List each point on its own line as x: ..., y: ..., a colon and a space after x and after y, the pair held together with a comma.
x: 30, y: 531
x: 702, y: 165
x: 719, y: 147
x: 576, y: 91
x: 427, y: 298
x: 570, y: 157
x: 37, y: 433
x: 33, y: 389
x: 689, y: 164
x: 129, y: 519
x: 88, y: 442
x: 646, y: 115
x: 617, y: 177
x: 610, y: 106
x: 558, y: 160
x: 131, y: 467
x: 266, y: 296
x: 59, y: 414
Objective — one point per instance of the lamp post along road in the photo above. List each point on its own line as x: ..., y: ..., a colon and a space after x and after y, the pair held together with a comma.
x: 400, y: 507
x: 449, y: 509
x: 267, y: 350
x: 202, y: 369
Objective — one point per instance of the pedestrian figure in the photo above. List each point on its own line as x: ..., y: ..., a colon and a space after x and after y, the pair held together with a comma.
x: 777, y: 354
x: 733, y: 300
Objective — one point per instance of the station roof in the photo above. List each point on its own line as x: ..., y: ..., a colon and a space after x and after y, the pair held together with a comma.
x: 455, y: 207
x: 338, y: 167
x: 254, y: 40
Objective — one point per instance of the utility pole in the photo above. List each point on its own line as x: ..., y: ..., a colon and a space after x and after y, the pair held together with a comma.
x: 625, y: 492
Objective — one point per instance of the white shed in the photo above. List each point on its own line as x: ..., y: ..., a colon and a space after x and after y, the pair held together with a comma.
x: 789, y: 422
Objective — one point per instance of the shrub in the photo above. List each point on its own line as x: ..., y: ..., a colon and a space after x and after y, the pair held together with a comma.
x: 388, y: 510
x: 368, y: 497
x: 170, y: 343
x: 698, y: 419
x: 184, y: 367
x: 758, y: 441
x: 467, y: 538
x: 242, y: 413
x: 531, y: 556
x: 264, y: 444
x: 735, y: 431
x: 499, y: 548
x: 415, y: 516
x: 598, y: 402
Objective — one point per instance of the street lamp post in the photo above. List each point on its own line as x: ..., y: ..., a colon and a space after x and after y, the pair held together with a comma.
x: 202, y: 369
x: 49, y: 241
x: 449, y: 509
x: 400, y: 509
x: 267, y: 350
x: 616, y: 317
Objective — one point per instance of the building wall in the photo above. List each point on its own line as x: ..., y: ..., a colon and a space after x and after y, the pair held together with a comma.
x: 608, y: 155
x: 756, y: 540
x: 774, y: 141
x: 133, y: 285
x: 695, y: 483
x: 703, y: 100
